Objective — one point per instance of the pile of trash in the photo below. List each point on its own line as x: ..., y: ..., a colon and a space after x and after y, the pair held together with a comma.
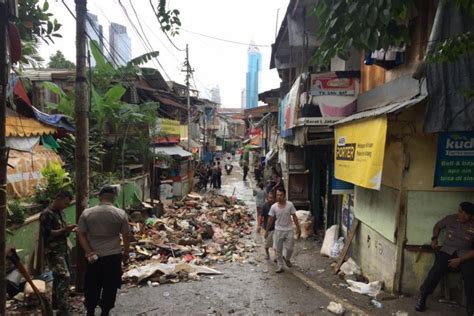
x: 192, y: 234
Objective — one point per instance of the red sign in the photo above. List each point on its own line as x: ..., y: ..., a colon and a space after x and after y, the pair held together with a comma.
x: 169, y: 139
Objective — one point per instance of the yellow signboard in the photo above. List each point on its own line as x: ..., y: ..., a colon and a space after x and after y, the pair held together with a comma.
x: 359, y: 152
x: 167, y: 127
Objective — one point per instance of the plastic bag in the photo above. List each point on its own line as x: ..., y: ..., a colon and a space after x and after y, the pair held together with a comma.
x: 329, y: 240
x: 337, y: 248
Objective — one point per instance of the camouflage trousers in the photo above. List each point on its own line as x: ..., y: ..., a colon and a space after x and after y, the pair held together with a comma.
x: 57, y: 263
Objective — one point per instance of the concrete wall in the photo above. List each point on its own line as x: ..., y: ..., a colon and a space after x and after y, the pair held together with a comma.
x: 378, y: 209
x: 375, y: 254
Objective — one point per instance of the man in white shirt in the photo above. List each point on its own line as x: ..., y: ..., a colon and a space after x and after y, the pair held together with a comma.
x: 281, y: 213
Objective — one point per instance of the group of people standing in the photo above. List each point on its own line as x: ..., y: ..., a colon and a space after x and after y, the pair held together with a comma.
x: 104, y: 235
x: 211, y: 175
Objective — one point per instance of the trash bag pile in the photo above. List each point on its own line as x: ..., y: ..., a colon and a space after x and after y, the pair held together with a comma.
x: 193, y: 233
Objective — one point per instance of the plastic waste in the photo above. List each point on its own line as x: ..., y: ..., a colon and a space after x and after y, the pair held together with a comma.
x: 371, y: 289
x: 337, y: 248
x: 336, y: 308
x: 350, y: 267
x: 329, y: 240
x: 376, y: 303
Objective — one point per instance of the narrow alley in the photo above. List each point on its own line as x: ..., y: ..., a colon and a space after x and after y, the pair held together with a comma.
x: 253, y: 288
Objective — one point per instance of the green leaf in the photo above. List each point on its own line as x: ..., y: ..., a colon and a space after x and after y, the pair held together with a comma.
x: 45, y: 6
x: 115, y: 93
x: 372, y: 18
x: 54, y: 89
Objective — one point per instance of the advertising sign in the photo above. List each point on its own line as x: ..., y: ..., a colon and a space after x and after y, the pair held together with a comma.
x: 167, y: 127
x: 339, y: 187
x: 335, y: 95
x: 359, y: 152
x: 289, y: 109
x: 455, y: 160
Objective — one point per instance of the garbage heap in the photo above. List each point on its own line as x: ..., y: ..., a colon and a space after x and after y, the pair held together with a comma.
x: 192, y: 234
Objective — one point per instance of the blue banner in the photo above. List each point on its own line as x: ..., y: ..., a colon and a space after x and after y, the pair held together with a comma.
x: 455, y: 160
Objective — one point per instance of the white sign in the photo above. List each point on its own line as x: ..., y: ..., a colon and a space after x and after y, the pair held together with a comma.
x: 317, y: 121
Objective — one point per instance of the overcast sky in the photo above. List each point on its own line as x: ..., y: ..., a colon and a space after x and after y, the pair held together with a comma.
x: 215, y: 62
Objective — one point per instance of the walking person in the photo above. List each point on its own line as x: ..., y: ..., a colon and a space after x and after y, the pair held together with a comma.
x: 214, y: 175
x: 281, y: 214
x: 245, y: 169
x: 54, y: 233
x: 219, y: 175
x: 99, y: 232
x: 260, y: 196
x: 264, y: 222
x: 457, y: 252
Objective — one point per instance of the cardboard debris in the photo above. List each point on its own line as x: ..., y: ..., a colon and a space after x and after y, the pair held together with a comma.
x: 197, y: 231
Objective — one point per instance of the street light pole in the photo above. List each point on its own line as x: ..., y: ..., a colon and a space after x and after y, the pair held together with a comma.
x: 188, y: 75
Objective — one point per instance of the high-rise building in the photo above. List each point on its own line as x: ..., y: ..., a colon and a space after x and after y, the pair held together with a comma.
x: 254, y: 66
x: 120, y: 44
x: 216, y: 95
x: 95, y: 32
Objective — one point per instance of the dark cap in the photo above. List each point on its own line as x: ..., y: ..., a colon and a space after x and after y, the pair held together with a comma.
x: 467, y: 207
x: 108, y: 189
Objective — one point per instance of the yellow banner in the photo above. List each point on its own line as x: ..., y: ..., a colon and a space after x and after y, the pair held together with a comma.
x: 167, y: 127
x: 359, y: 152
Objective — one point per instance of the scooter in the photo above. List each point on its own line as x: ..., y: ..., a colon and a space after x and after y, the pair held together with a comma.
x: 228, y: 168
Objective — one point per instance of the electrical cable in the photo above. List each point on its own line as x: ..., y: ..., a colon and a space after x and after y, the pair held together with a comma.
x: 146, y: 38
x: 226, y: 40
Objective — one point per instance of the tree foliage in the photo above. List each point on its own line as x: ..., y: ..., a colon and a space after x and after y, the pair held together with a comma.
x: 58, y: 61
x: 35, y: 23
x: 168, y: 19
x: 376, y: 24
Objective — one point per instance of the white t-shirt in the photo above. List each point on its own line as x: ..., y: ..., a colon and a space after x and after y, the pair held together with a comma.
x: 282, y: 216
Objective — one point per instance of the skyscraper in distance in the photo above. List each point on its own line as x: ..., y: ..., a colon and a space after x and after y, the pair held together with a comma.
x: 95, y: 32
x: 120, y: 44
x: 254, y: 59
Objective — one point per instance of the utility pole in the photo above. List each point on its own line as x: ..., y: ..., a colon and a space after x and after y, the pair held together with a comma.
x: 188, y: 77
x: 82, y: 131
x: 3, y: 150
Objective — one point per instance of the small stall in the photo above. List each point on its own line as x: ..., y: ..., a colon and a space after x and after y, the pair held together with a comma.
x: 176, y: 173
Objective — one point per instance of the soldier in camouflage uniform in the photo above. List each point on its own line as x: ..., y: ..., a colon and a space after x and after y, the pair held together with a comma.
x: 54, y: 231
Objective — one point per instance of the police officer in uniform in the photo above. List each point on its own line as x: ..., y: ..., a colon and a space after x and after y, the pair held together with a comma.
x: 457, y: 253
x: 54, y: 231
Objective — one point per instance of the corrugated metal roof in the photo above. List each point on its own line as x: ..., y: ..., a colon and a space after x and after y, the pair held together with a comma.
x: 387, y: 109
x: 172, y: 151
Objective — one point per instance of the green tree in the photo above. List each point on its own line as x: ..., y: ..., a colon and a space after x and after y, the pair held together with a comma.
x: 376, y: 24
x: 58, y: 61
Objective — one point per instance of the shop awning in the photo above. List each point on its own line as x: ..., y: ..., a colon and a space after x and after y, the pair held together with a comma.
x: 387, y: 109
x: 20, y: 126
x: 172, y: 151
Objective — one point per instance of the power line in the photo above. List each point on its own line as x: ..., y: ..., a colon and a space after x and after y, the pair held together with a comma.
x: 101, y: 36
x: 146, y: 38
x: 143, y: 43
x: 225, y: 40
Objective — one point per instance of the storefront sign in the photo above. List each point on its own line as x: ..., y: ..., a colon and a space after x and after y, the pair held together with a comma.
x: 359, y: 152
x: 329, y: 84
x: 335, y: 96
x: 317, y: 121
x: 167, y: 127
x: 455, y: 160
